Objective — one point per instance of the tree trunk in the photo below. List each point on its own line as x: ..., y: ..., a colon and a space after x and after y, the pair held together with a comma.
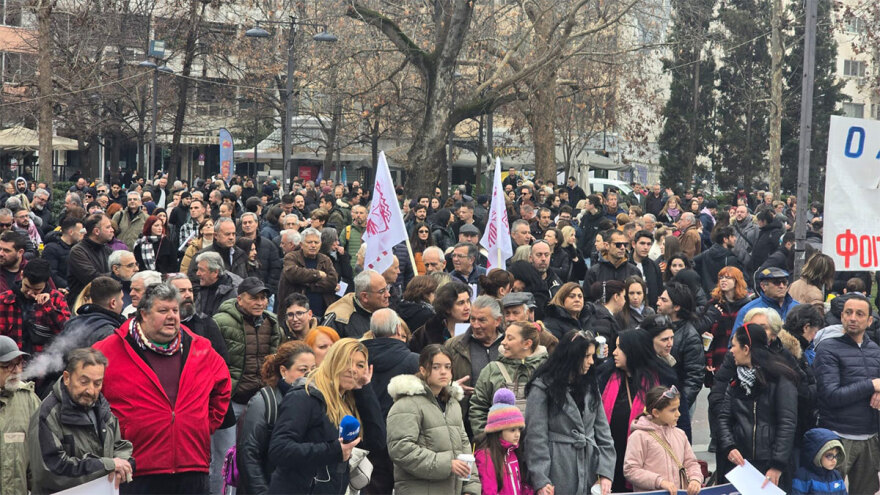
x: 44, y: 17
x: 427, y: 154
x: 542, y: 120
x: 192, y: 36
x: 695, y: 109
x: 776, y: 53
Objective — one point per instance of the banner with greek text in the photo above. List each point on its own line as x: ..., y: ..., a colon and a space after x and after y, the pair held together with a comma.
x: 851, y: 234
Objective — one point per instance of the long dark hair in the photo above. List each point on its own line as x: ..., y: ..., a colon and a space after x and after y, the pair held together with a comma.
x: 562, y: 370
x: 642, y: 362
x: 419, y: 245
x: 426, y: 361
x: 497, y: 454
x: 769, y: 366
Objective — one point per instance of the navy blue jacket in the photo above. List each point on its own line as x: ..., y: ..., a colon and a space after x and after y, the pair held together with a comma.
x: 811, y: 478
x: 843, y: 374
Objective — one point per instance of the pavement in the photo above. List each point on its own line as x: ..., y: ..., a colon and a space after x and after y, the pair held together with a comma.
x: 700, y: 430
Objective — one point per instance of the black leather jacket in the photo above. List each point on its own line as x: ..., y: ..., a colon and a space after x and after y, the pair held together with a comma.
x: 762, y: 425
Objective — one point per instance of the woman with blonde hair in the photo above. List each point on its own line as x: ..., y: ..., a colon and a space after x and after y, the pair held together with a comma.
x: 569, y: 245
x: 292, y: 360
x: 671, y: 211
x: 309, y: 453
x: 816, y: 278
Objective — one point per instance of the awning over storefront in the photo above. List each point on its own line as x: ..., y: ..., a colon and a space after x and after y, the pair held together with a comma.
x: 20, y: 138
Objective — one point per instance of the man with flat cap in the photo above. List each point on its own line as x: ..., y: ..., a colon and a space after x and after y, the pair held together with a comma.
x: 772, y: 287
x: 18, y: 403
x: 520, y: 306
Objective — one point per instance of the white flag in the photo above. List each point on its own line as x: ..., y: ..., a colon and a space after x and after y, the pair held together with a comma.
x: 496, y: 239
x: 385, y: 226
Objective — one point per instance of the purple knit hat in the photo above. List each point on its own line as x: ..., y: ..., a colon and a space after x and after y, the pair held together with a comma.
x: 504, y: 414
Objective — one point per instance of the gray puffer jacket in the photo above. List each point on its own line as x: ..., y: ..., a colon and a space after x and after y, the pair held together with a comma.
x: 426, y: 438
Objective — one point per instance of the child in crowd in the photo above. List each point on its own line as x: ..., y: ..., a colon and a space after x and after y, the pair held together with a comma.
x: 499, y: 456
x: 658, y: 455
x: 818, y: 475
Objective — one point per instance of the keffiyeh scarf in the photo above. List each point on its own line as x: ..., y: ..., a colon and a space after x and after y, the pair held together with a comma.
x: 144, y: 343
x: 746, y: 378
x: 148, y: 255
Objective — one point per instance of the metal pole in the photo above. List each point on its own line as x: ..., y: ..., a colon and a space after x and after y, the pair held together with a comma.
x: 152, y: 169
x: 256, y: 137
x: 800, y: 230
x: 287, y: 135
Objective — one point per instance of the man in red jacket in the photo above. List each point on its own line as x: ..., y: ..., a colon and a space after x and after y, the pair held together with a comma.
x: 170, y: 391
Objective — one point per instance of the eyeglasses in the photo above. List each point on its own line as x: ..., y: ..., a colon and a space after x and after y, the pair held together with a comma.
x: 296, y: 314
x: 4, y: 225
x: 385, y: 290
x: 423, y: 231
x: 583, y: 334
x: 728, y: 277
x: 619, y: 244
x: 831, y: 456
x: 12, y: 364
x: 777, y: 281
x: 660, y: 321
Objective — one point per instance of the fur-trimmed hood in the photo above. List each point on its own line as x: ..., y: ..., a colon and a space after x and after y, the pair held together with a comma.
x: 411, y: 385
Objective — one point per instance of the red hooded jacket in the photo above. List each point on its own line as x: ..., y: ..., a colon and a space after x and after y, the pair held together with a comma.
x: 166, y: 440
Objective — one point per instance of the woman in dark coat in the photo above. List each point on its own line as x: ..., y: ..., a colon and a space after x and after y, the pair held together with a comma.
x: 441, y: 232
x: 728, y: 297
x: 680, y: 269
x: 758, y: 419
x: 636, y: 308
x: 566, y: 311
x: 306, y: 447
x: 560, y: 262
x: 415, y: 309
x: 154, y: 250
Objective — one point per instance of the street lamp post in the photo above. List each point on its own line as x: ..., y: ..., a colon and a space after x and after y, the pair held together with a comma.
x: 287, y: 134
x: 157, y: 51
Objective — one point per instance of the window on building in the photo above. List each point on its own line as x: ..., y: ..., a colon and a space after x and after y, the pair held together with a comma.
x: 10, y: 12
x: 854, y: 68
x: 856, y: 25
x: 10, y: 68
x: 854, y: 110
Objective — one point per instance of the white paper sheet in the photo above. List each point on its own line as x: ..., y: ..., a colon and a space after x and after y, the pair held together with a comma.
x: 342, y: 287
x: 461, y: 328
x: 100, y: 486
x: 747, y: 479
x: 474, y: 292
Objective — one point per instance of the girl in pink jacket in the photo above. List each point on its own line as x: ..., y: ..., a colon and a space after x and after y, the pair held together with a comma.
x: 498, y: 452
x: 658, y: 455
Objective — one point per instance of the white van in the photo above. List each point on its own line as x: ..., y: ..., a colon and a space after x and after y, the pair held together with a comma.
x: 598, y: 185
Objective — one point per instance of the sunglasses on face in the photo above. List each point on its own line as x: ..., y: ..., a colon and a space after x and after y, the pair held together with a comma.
x: 619, y: 244
x: 778, y: 281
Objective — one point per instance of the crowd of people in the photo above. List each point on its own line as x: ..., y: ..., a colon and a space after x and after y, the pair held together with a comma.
x: 183, y: 339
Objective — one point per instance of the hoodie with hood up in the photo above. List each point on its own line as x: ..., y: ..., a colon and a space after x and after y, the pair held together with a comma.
x: 812, y: 478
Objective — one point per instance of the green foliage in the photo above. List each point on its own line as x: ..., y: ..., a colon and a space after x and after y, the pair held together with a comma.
x: 59, y: 190
x: 827, y: 95
x: 685, y: 135
x: 744, y: 85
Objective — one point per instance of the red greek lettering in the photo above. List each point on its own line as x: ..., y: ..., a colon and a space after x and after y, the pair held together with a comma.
x: 847, y: 246
x: 865, y: 244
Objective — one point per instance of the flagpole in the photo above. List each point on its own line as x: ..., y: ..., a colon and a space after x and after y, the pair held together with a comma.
x: 412, y: 257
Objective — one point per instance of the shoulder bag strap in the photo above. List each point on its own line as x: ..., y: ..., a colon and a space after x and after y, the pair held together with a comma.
x: 682, y: 472
x: 506, y: 375
x: 271, y: 405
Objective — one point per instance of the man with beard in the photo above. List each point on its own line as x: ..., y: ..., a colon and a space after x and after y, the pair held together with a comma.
x: 40, y: 208
x: 65, y: 450
x: 12, y: 259
x: 88, y: 258
x: 18, y: 403
x: 31, y: 312
x: 98, y: 319
x: 57, y: 250
x: 206, y: 327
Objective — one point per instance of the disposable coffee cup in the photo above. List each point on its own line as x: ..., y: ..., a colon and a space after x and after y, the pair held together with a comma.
x: 707, y: 340
x: 601, y: 347
x: 470, y: 460
x: 596, y: 490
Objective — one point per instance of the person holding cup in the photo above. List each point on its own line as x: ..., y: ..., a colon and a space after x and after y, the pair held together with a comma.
x: 427, y: 443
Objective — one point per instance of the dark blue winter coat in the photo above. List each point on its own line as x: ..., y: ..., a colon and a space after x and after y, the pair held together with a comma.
x: 844, y: 371
x: 812, y: 478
